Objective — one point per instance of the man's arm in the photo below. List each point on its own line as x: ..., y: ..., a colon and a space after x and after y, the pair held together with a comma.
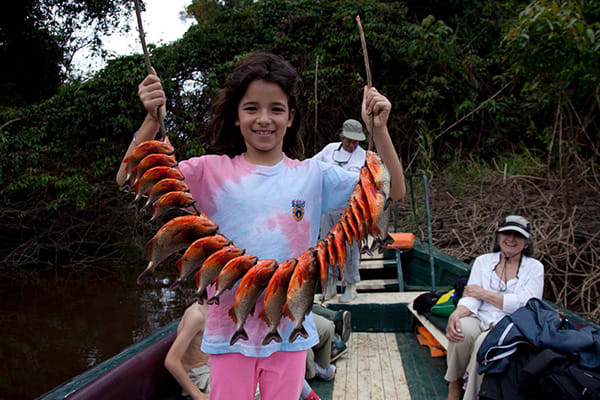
x: 191, y: 327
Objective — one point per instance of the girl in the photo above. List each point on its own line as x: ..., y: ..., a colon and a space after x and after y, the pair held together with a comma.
x: 268, y: 203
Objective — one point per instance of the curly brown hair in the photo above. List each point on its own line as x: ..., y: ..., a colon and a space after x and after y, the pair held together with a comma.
x: 223, y: 134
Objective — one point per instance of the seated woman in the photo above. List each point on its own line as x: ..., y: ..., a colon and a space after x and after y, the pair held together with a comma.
x: 499, y: 284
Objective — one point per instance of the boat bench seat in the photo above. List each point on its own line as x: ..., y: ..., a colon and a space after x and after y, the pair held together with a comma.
x: 435, y: 324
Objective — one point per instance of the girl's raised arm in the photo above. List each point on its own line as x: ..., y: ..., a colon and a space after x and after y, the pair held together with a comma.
x: 152, y: 96
x: 376, y: 104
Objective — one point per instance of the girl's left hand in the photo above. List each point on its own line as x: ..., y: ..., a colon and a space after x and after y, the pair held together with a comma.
x: 376, y: 104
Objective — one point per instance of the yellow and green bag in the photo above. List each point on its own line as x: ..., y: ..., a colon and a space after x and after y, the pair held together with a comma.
x: 445, y: 304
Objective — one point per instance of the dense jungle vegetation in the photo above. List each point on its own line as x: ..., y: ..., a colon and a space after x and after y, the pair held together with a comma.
x: 497, y: 102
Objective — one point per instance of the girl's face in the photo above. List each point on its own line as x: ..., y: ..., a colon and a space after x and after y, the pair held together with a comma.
x: 263, y: 118
x: 512, y: 243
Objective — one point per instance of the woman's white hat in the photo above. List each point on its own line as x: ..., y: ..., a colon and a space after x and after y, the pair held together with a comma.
x: 516, y: 223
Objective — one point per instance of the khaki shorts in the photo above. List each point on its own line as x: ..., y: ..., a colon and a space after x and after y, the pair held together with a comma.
x: 200, y: 376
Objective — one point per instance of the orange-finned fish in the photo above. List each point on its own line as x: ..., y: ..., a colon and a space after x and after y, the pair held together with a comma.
x: 301, y: 292
x: 195, y: 255
x: 360, y: 209
x: 165, y: 186
x: 152, y: 176
x: 142, y: 150
x: 170, y: 201
x: 380, y: 173
x: 346, y: 228
x: 244, y: 301
x: 151, y: 160
x: 209, y: 271
x: 379, y: 207
x: 175, y: 235
x: 351, y: 222
x: 231, y: 272
x: 361, y: 202
x: 275, y: 297
x: 376, y: 201
x: 331, y: 250
x: 339, y: 243
x: 357, y: 214
x: 322, y: 260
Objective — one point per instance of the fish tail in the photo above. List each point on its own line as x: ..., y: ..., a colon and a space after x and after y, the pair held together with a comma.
x: 239, y: 334
x: 298, y: 331
x: 176, y: 285
x: 147, y: 274
x: 272, y: 335
x: 201, y: 296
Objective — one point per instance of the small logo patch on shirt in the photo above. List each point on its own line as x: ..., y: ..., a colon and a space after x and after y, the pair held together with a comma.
x: 298, y: 209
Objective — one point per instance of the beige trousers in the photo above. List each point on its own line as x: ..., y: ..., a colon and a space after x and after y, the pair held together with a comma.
x: 320, y: 352
x: 462, y: 356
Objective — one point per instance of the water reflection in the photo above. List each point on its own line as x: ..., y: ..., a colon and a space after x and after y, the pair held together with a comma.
x: 57, y: 329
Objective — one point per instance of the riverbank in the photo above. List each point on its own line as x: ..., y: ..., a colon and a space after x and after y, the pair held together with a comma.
x: 469, y: 199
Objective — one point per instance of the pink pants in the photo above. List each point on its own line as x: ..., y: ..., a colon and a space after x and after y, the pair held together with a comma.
x: 234, y: 376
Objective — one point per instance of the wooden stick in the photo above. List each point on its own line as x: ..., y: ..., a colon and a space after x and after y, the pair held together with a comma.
x: 138, y: 13
x: 369, y: 78
x: 316, y: 101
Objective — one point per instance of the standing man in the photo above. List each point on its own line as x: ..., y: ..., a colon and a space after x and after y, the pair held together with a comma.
x: 351, y: 157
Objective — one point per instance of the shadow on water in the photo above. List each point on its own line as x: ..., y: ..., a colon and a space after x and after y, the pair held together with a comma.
x: 58, y: 328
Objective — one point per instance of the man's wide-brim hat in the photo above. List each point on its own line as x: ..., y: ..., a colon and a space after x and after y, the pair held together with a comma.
x: 516, y: 223
x: 352, y: 129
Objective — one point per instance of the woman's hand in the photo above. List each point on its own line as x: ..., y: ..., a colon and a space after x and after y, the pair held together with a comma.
x: 479, y: 293
x: 453, y: 330
x: 152, y: 96
x: 377, y: 105
x: 475, y: 291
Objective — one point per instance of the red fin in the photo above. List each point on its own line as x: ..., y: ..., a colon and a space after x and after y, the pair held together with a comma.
x: 232, y: 315
x: 178, y: 263
x: 286, y: 312
x: 263, y: 317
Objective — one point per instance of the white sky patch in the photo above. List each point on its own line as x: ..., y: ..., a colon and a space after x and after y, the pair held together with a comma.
x: 162, y: 24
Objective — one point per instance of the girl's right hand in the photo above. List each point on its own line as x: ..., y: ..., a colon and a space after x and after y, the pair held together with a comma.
x: 151, y: 95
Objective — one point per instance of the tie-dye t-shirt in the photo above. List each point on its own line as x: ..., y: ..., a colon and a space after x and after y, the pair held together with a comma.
x: 272, y: 213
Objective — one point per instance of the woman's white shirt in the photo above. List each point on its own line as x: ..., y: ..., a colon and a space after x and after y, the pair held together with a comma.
x: 516, y: 292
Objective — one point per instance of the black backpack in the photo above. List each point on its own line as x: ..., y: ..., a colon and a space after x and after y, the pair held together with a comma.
x: 551, y: 375
x: 423, y: 303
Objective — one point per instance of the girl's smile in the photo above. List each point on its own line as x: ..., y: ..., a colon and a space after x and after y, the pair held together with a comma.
x: 263, y: 118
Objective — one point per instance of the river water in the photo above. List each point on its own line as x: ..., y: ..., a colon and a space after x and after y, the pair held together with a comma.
x: 58, y: 328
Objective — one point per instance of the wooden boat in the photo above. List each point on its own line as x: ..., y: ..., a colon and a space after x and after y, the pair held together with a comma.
x: 385, y: 360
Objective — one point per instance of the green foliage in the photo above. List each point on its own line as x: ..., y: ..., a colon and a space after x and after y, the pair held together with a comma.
x: 476, y: 79
x: 38, y: 39
x: 553, y: 52
x: 553, y: 46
